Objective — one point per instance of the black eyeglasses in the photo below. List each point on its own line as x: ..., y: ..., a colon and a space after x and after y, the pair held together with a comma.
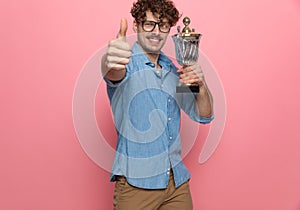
x: 149, y: 26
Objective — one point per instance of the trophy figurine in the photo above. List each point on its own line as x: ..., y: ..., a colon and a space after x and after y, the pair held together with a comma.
x: 186, y: 48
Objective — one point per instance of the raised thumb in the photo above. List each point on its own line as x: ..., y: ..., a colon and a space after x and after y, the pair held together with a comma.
x: 123, y: 29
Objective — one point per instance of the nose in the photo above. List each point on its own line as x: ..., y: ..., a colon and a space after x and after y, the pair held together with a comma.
x: 156, y: 29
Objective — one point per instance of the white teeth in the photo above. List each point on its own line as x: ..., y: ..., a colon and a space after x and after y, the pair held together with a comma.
x: 155, y: 40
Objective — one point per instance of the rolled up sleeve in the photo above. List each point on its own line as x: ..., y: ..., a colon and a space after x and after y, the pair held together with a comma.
x: 188, y: 105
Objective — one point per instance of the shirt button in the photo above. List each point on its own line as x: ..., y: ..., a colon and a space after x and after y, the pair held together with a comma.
x: 169, y: 100
x: 169, y: 119
x: 162, y: 86
x: 170, y: 138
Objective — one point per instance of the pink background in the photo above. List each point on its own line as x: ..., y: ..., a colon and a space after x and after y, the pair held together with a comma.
x: 254, y: 46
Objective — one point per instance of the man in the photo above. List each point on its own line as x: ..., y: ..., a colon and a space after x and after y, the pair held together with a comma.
x: 141, y: 83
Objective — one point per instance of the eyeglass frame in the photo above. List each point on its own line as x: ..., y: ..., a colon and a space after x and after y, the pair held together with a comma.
x: 155, y: 23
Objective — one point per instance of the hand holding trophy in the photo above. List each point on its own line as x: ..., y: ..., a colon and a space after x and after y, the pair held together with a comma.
x: 186, y: 47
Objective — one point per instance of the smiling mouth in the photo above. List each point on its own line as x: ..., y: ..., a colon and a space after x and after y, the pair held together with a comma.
x: 154, y: 39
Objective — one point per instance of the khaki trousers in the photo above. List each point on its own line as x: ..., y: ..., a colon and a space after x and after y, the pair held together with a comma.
x: 127, y: 197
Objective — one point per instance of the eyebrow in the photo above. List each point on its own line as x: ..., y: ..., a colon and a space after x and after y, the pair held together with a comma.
x: 158, y: 21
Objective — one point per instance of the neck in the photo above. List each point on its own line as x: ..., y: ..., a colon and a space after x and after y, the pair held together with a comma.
x: 153, y: 57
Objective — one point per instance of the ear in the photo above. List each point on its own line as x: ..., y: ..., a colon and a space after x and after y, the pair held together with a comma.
x: 135, y: 26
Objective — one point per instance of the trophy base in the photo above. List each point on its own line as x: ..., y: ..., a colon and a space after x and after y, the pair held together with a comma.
x: 187, y: 88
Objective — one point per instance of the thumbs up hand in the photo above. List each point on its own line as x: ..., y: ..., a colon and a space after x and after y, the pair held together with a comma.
x: 123, y: 29
x: 117, y: 55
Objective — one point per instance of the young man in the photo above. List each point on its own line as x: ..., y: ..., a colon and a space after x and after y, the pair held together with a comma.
x: 141, y: 83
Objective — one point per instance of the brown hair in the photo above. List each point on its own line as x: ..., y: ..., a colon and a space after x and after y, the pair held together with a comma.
x: 164, y: 8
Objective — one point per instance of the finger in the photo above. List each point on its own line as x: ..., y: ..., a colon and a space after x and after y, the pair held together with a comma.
x: 195, y: 68
x: 123, y: 29
x: 191, y: 81
x: 191, y: 74
x: 183, y: 70
x: 118, y: 53
x: 191, y: 77
x: 179, y: 70
x: 115, y: 66
x: 117, y: 60
x: 120, y: 44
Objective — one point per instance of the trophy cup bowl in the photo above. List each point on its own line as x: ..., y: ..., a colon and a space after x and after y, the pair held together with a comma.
x: 187, y: 53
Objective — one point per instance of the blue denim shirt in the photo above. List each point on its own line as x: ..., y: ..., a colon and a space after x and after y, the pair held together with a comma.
x: 146, y: 113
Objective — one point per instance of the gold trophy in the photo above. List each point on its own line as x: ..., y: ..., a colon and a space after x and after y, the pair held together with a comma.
x: 187, y: 53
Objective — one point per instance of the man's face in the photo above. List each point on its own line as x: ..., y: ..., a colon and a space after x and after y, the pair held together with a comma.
x: 153, y: 41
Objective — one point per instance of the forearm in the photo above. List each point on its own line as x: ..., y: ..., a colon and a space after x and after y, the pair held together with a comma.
x: 204, y: 102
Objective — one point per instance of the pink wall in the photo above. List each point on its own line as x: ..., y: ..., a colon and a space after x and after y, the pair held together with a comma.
x: 254, y: 46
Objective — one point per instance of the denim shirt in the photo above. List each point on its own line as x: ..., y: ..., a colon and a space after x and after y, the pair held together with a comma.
x: 146, y: 112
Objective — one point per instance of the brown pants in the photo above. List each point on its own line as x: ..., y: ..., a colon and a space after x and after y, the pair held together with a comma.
x: 127, y: 197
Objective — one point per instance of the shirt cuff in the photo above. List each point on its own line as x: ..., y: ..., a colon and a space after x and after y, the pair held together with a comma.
x: 205, y: 120
x: 113, y: 84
